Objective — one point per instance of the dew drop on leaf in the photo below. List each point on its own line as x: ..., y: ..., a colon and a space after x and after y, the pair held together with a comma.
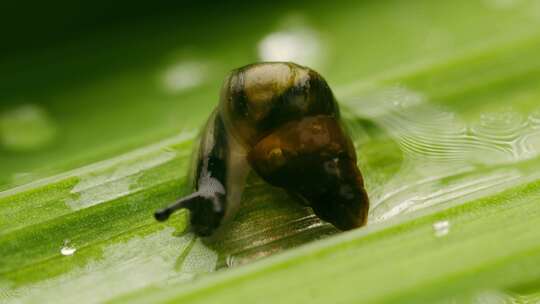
x: 441, y: 228
x: 67, y: 250
x: 27, y: 127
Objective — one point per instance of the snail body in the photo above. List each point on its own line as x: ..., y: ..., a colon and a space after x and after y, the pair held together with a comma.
x: 281, y: 120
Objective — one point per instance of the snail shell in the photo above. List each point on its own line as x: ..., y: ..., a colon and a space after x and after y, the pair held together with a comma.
x: 281, y: 120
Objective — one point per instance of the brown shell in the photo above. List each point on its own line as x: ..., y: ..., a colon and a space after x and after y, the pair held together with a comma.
x: 315, y: 159
x: 258, y: 98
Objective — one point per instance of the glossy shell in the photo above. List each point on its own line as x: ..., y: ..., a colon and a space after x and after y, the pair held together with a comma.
x: 281, y: 120
x: 258, y: 98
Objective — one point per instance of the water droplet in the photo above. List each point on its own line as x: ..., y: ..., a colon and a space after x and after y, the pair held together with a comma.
x: 67, y: 250
x: 441, y: 228
x: 185, y: 75
x: 26, y: 127
x: 295, y: 42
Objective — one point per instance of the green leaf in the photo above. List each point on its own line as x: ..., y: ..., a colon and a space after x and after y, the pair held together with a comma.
x: 441, y: 99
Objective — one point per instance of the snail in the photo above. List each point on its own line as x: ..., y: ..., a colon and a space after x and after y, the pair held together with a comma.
x: 281, y: 120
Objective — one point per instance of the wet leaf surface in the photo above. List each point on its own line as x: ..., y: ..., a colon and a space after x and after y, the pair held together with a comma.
x: 444, y: 116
